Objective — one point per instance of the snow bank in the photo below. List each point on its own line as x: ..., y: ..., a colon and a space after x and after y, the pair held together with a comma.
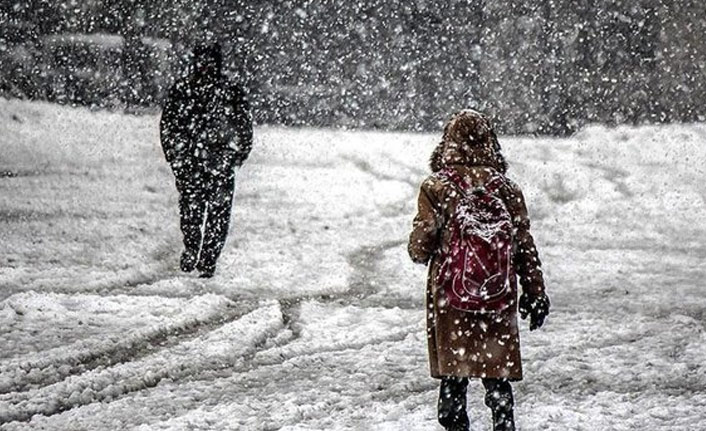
x: 357, y: 355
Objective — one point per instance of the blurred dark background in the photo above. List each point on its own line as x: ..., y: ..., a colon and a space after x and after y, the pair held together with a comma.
x: 548, y: 67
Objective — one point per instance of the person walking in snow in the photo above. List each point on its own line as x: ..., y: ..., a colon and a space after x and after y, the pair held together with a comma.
x: 473, y: 231
x: 206, y: 132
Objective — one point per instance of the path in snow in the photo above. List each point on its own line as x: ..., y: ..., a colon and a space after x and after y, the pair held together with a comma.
x: 315, y: 317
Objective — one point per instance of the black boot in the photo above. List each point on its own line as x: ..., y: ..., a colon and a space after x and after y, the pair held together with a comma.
x: 206, y: 269
x: 188, y: 260
x: 498, y: 397
x: 452, y: 404
x: 503, y: 420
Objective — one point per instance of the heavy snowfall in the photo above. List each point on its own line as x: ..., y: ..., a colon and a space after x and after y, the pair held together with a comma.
x: 315, y: 318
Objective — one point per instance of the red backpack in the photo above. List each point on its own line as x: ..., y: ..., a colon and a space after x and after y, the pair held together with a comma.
x: 476, y: 271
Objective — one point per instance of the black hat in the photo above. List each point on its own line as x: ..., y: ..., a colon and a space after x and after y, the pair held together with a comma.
x: 205, y: 52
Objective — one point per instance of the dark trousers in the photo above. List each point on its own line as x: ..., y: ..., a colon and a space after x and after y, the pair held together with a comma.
x: 205, y: 202
x: 452, y: 403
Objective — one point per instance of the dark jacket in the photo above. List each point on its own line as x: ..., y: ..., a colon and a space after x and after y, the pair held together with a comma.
x: 206, y: 125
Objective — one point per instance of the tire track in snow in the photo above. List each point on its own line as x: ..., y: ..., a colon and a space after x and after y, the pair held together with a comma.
x: 216, y: 415
x: 362, y: 284
x: 280, y: 354
x: 53, y: 365
x: 364, y: 260
x: 214, y: 391
x: 292, y: 366
x: 111, y: 282
x: 217, y: 349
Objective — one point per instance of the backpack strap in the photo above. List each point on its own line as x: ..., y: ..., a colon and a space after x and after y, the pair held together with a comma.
x: 494, y: 183
x: 456, y: 180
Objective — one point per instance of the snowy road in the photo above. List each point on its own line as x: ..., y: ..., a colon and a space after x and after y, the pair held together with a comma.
x: 315, y: 320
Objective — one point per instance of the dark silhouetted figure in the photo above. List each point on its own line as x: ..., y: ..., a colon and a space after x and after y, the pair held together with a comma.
x: 206, y: 132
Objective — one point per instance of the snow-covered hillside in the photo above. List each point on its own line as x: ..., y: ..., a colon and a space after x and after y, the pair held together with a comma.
x: 314, y: 319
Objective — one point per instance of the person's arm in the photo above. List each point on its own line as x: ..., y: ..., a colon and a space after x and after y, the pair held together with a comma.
x: 424, y: 239
x: 242, y: 122
x: 170, y: 129
x: 526, y: 259
x: 534, y: 300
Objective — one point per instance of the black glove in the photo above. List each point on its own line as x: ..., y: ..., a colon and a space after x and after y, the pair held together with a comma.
x: 536, y: 307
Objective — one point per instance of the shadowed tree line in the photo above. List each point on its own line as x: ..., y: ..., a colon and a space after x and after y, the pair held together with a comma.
x: 539, y: 67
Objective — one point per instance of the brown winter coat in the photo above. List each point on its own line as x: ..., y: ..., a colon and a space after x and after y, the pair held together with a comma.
x: 470, y: 344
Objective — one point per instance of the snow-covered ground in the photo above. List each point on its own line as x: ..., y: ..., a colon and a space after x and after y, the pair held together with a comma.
x: 314, y: 320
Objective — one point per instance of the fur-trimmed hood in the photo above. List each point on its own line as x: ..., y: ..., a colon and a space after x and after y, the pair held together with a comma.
x: 469, y: 139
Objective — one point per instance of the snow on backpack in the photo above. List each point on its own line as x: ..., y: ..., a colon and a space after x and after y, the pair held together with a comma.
x: 476, y: 271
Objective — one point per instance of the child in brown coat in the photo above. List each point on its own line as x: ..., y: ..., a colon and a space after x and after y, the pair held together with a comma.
x: 462, y: 343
